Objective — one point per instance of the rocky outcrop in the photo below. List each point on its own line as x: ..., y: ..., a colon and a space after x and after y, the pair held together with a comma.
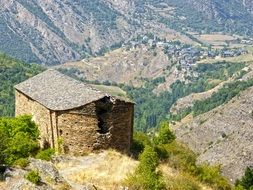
x: 105, y: 170
x: 50, y: 177
x: 47, y: 171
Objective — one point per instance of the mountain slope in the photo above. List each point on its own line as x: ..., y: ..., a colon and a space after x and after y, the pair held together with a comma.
x: 12, y: 72
x: 60, y: 30
x: 207, y: 16
x: 223, y: 135
x: 123, y: 66
x: 54, y: 31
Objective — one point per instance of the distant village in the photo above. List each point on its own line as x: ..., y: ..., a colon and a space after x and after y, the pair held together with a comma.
x: 184, y: 55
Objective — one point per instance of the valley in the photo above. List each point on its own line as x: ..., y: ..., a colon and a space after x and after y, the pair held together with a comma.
x: 186, y: 64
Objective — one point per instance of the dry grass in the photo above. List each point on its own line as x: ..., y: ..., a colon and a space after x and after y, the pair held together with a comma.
x: 2, y: 184
x: 109, y: 173
x: 177, y: 180
x: 217, y: 40
x: 215, y: 82
x: 184, y: 121
x: 216, y: 37
x: 238, y: 59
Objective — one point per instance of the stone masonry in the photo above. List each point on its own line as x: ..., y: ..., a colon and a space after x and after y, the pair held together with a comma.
x: 92, y: 121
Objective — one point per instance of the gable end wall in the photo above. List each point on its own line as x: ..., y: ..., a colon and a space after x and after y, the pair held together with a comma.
x: 40, y: 115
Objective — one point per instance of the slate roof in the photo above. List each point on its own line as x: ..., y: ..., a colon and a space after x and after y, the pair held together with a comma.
x: 57, y: 91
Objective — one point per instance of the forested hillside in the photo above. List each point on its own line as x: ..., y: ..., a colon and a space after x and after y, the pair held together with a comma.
x: 12, y: 72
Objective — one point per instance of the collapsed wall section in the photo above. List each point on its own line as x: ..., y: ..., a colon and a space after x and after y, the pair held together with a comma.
x: 99, y: 125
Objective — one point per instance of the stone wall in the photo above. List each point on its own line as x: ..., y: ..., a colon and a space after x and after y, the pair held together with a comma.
x: 40, y: 115
x: 98, y: 125
x: 122, y: 126
x: 79, y: 128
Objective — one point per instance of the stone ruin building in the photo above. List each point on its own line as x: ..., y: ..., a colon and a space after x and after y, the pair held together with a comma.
x: 74, y: 117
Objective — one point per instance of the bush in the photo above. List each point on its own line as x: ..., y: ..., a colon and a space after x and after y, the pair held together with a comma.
x: 247, y: 180
x: 181, y: 157
x: 45, y: 154
x: 140, y: 140
x: 165, y: 135
x: 238, y: 187
x: 20, y: 146
x: 18, y: 138
x: 212, y: 175
x: 21, y: 162
x: 33, y: 176
x: 162, y: 153
x: 146, y: 176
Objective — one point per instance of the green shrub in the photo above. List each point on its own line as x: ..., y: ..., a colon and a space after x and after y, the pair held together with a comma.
x: 18, y: 138
x: 212, y: 175
x: 146, y: 175
x: 33, y: 176
x: 181, y: 157
x: 140, y: 140
x: 162, y: 152
x: 247, y: 180
x: 238, y: 187
x: 45, y: 154
x: 19, y: 146
x: 165, y: 135
x: 21, y: 162
x: 60, y: 142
